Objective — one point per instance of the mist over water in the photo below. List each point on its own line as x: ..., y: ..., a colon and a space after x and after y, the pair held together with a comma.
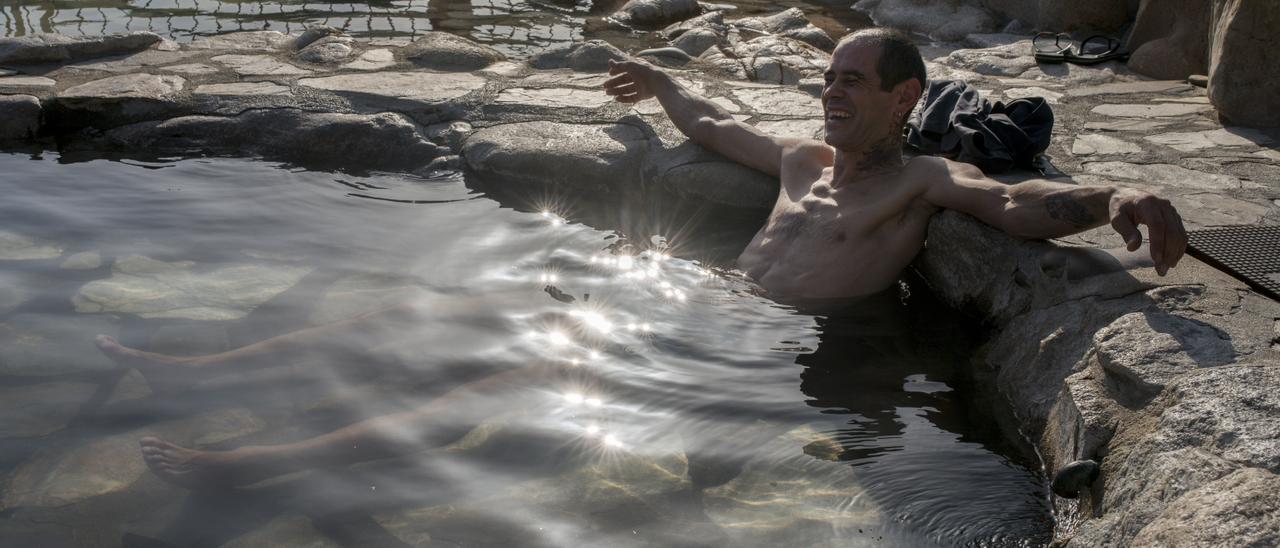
x: 644, y: 395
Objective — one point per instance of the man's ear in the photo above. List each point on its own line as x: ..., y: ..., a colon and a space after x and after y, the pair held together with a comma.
x: 908, y: 92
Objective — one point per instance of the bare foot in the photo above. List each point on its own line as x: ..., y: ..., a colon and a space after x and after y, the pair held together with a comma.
x: 189, y: 468
x: 165, y: 373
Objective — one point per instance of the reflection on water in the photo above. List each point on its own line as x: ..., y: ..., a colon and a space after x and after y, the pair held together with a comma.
x: 519, y: 28
x: 433, y: 366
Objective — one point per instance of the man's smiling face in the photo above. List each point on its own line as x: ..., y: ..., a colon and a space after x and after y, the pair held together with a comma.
x: 857, y: 112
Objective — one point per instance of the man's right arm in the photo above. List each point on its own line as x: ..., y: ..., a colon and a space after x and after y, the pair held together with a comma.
x: 698, y: 118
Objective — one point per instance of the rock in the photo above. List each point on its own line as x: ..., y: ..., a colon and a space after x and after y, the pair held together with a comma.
x: 1049, y: 96
x: 349, y: 141
x: 1127, y: 125
x: 803, y: 129
x: 243, y: 89
x: 601, y: 156
x: 148, y: 87
x: 374, y: 59
x: 589, y: 56
x: 779, y: 102
x: 945, y: 21
x: 417, y: 86
x: 57, y: 48
x: 1064, y: 15
x: 191, y: 69
x: 721, y: 182
x: 312, y: 34
x: 135, y: 62
x: 258, y: 40
x: 553, y: 98
x: 1198, y: 80
x: 59, y: 476
x: 1244, y: 72
x: 1073, y: 478
x: 1197, y: 140
x: 444, y: 51
x: 1170, y: 40
x: 1164, y: 174
x: 16, y: 247
x: 790, y: 23
x: 449, y: 134
x: 85, y: 260
x: 329, y: 50
x: 1119, y: 88
x: 1228, y: 411
x: 712, y: 20
x: 655, y: 13
x: 1240, y: 509
x: 667, y: 57
x: 19, y: 118
x: 1006, y: 60
x: 1144, y: 351
x: 26, y: 84
x: 1093, y: 143
x: 40, y: 345
x: 697, y: 41
x: 156, y: 289
x: 259, y: 65
x: 14, y: 291
x: 773, y: 59
x: 1150, y: 111
x: 285, y: 530
x: 40, y: 409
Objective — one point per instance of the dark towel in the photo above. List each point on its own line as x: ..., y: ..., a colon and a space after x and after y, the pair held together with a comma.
x: 957, y: 122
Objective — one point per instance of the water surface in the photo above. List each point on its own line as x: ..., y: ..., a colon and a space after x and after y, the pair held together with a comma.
x: 653, y: 397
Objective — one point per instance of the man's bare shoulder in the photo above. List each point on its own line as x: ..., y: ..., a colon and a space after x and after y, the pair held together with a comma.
x: 807, y: 152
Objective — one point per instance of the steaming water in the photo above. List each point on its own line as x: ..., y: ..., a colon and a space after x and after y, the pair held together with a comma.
x: 666, y: 404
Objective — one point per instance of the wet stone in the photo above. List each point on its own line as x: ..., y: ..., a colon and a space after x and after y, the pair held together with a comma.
x: 554, y: 98
x: 128, y: 86
x: 19, y: 117
x: 1164, y: 174
x: 779, y: 102
x: 243, y: 89
x: 25, y: 84
x: 421, y: 86
x: 38, y: 345
x: 1089, y: 144
x: 17, y: 247
x: 259, y: 65
x: 1118, y: 88
x: 37, y: 410
x: 1150, y: 111
x: 156, y: 289
x: 85, y: 260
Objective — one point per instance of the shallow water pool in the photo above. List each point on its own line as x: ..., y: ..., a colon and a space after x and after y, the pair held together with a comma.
x: 520, y: 378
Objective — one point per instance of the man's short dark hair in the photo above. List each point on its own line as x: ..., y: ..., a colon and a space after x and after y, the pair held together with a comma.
x: 899, y: 58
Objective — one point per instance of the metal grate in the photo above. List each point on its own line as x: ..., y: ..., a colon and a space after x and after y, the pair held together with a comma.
x: 1251, y: 253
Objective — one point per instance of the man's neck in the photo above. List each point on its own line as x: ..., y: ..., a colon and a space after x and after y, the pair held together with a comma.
x: 880, y: 158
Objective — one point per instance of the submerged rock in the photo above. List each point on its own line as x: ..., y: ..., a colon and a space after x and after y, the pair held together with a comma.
x: 156, y: 289
x: 40, y: 409
x: 445, y: 51
x: 38, y: 345
x: 59, y: 48
x: 16, y: 247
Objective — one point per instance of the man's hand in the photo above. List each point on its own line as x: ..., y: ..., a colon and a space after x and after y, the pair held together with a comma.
x: 632, y: 81
x: 1130, y: 208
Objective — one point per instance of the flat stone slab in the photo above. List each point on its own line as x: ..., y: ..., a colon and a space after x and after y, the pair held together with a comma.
x: 1127, y: 125
x: 25, y: 84
x: 1149, y: 349
x: 259, y: 65
x: 1164, y: 174
x: 563, y: 78
x: 17, y: 247
x: 55, y: 48
x: 553, y: 97
x: 156, y: 289
x: 374, y: 59
x: 421, y: 86
x: 558, y: 154
x: 1198, y: 140
x: 1150, y: 111
x: 1093, y: 143
x: 265, y: 40
x: 779, y: 102
x: 40, y: 345
x: 191, y: 69
x: 128, y: 86
x: 243, y: 89
x: 804, y: 129
x: 1049, y: 96
x: 136, y: 62
x: 40, y: 409
x: 1117, y: 88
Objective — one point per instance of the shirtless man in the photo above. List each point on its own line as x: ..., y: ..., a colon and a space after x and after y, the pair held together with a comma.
x: 850, y: 215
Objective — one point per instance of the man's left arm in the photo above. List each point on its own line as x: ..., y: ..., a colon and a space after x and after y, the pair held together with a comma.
x: 1044, y: 209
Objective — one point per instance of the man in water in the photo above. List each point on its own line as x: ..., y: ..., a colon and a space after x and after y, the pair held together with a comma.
x: 850, y: 215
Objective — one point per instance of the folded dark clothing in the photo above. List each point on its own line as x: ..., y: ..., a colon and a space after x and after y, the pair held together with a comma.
x: 956, y: 121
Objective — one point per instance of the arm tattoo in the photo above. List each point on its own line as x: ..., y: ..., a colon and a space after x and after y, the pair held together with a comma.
x: 1070, y: 210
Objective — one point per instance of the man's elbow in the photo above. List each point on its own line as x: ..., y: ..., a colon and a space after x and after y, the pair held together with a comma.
x: 704, y: 129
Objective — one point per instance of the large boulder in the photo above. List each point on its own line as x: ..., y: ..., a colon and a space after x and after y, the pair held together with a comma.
x: 19, y: 117
x: 790, y: 23
x: 606, y: 157
x: 656, y: 13
x: 444, y: 51
x: 770, y: 59
x: 589, y: 56
x: 58, y: 48
x: 1170, y: 39
x: 1244, y: 62
x: 949, y: 21
x: 1065, y: 15
x: 692, y: 172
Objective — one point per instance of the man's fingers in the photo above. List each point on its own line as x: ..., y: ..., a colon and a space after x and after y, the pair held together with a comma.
x: 1124, y: 225
x: 614, y: 67
x: 1176, y: 243
x: 618, y: 80
x: 622, y: 89
x: 630, y: 98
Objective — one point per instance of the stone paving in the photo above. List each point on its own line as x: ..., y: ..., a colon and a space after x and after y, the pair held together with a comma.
x: 1124, y: 396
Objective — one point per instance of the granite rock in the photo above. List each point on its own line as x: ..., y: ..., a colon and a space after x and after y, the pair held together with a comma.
x: 589, y: 56
x: 945, y: 21
x: 656, y: 13
x: 19, y: 117
x: 1244, y: 62
x: 424, y: 87
x: 59, y: 48
x: 790, y: 23
x: 1065, y: 15
x: 1170, y: 40
x: 559, y: 155
x: 329, y: 50
x: 448, y: 52
x: 256, y: 40
x: 697, y: 41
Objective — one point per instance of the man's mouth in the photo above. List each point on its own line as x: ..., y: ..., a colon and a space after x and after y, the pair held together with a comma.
x: 837, y: 114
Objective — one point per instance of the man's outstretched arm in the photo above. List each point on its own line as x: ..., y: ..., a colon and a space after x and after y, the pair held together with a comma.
x: 1044, y: 209
x: 698, y: 118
